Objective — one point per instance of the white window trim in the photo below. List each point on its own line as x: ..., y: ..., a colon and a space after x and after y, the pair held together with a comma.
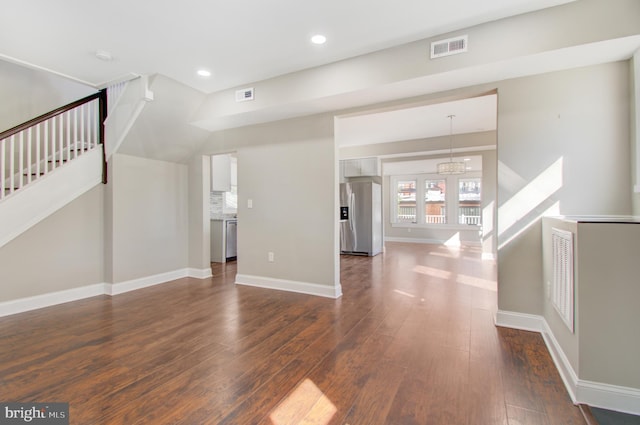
x: 451, y: 200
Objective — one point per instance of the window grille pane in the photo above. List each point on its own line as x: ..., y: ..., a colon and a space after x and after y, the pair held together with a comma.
x: 434, y: 202
x: 469, y: 201
x: 406, y: 193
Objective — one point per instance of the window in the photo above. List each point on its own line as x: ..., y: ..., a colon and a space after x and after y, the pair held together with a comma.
x: 406, y: 201
x: 469, y: 197
x: 446, y: 200
x: 434, y: 201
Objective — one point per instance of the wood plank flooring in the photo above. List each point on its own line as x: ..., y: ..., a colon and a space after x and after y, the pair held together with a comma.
x: 412, y: 341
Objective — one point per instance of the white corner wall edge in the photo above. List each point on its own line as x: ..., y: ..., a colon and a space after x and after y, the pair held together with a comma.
x: 199, y: 273
x: 597, y: 394
x: 326, y: 291
x: 22, y: 305
x: 40, y: 199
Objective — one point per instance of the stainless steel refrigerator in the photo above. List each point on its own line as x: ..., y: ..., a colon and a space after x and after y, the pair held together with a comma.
x: 360, y: 218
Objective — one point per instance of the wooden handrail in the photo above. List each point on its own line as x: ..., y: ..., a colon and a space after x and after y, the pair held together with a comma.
x: 48, y: 115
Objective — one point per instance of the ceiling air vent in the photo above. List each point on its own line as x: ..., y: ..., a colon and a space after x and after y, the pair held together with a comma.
x: 244, y: 95
x: 450, y: 46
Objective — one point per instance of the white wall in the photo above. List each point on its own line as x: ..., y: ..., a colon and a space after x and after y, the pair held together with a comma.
x: 506, y: 48
x: 149, y: 218
x: 563, y: 148
x: 288, y: 169
x: 64, y: 251
x: 199, y: 212
x: 162, y: 130
x: 27, y: 93
x: 634, y: 81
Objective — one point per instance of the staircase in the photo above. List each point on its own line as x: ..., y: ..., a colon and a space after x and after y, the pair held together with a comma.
x: 49, y: 161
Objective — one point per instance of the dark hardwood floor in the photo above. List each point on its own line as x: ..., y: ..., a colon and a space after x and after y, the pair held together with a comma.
x: 412, y: 341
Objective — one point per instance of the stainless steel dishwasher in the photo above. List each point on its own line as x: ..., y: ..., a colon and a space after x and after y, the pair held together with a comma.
x: 231, y: 246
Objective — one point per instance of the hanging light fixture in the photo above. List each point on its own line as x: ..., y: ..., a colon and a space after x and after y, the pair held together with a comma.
x: 451, y: 167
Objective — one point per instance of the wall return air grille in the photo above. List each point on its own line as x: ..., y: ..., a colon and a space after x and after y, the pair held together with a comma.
x: 562, y: 286
x: 449, y: 46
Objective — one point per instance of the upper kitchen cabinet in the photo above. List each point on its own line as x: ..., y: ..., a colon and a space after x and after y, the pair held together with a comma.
x: 221, y: 173
x: 360, y: 167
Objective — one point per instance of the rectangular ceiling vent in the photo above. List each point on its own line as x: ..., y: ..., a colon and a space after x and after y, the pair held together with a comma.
x: 244, y: 95
x: 450, y: 46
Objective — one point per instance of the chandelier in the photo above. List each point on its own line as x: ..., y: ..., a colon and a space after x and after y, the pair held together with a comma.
x: 451, y: 166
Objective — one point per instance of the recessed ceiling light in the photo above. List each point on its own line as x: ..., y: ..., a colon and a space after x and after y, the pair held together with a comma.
x: 204, y: 73
x: 318, y: 39
x: 103, y: 55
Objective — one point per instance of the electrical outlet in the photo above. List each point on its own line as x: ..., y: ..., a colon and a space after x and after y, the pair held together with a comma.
x: 271, y: 257
x: 249, y: 203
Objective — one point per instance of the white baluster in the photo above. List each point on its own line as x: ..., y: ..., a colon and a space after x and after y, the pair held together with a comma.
x: 46, y: 146
x: 75, y: 133
x: 38, y: 159
x: 84, y: 138
x: 53, y: 144
x: 12, y: 166
x: 29, y: 154
x: 89, y: 143
x: 60, y: 138
x: 96, y: 121
x: 20, y: 159
x: 68, y: 141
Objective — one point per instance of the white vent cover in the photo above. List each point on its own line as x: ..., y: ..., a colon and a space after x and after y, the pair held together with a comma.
x: 562, y: 286
x: 450, y: 46
x: 244, y: 95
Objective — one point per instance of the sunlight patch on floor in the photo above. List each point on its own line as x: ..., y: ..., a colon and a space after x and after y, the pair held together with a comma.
x: 477, y: 282
x: 306, y: 404
x: 406, y: 294
x: 430, y: 271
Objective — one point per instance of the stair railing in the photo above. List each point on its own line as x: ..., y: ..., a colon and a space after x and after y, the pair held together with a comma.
x: 37, y: 147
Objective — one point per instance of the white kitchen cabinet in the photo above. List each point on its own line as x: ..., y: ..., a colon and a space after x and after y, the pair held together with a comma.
x: 361, y: 167
x: 221, y: 173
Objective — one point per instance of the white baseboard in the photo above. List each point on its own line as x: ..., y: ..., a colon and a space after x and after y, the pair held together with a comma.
x: 22, y: 305
x: 290, y: 286
x: 144, y: 282
x: 522, y: 321
x: 566, y: 371
x: 597, y: 394
x: 612, y: 397
x: 199, y: 273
